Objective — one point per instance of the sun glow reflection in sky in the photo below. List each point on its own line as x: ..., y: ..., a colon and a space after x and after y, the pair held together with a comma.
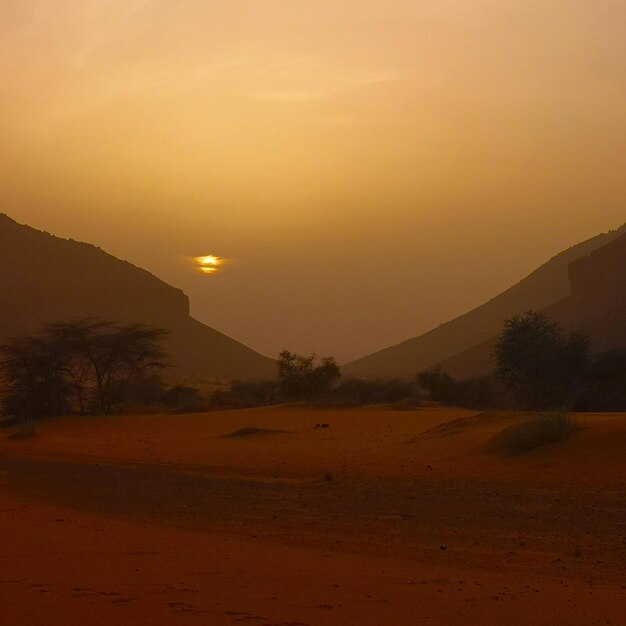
x: 437, y: 152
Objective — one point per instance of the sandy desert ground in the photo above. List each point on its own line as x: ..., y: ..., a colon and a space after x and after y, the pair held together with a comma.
x: 383, y: 518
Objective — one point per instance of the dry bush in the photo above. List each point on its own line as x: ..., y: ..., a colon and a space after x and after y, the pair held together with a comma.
x: 538, y: 431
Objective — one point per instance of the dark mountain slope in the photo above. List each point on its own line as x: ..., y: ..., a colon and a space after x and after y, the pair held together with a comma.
x: 596, y: 305
x: 44, y: 278
x: 545, y: 286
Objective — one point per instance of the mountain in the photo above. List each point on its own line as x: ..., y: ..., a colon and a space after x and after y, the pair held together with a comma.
x: 596, y: 306
x: 454, y: 344
x: 44, y: 278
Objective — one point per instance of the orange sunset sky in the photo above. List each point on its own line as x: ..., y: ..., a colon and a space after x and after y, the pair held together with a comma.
x: 370, y: 168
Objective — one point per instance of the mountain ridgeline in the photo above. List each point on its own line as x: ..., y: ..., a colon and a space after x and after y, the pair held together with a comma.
x: 583, y: 287
x: 44, y: 278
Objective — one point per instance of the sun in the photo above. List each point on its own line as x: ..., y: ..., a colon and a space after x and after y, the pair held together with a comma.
x: 208, y: 264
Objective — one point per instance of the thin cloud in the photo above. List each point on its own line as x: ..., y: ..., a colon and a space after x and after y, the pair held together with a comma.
x: 320, y: 81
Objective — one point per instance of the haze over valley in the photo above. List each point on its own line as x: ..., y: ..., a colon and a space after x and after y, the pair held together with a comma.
x: 312, y: 313
x: 371, y: 169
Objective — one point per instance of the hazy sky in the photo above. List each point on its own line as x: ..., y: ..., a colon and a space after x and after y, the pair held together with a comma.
x: 371, y: 167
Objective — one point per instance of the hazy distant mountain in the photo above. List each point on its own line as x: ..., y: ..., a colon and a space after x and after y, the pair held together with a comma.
x: 44, y: 278
x: 454, y: 344
x: 596, y: 305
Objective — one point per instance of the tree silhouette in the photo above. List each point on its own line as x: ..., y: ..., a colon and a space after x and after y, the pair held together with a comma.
x: 538, y: 361
x: 303, y: 377
x: 80, y: 362
x: 33, y: 380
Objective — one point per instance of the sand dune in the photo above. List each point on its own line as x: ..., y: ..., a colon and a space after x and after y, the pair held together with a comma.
x: 384, y: 517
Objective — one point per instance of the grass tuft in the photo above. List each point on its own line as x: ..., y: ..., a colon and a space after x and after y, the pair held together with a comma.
x: 538, y: 431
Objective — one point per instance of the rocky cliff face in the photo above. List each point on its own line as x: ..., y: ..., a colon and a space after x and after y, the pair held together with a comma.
x: 597, y: 304
x: 45, y: 278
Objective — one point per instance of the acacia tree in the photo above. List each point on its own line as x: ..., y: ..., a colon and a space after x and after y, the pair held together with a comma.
x: 32, y: 379
x: 304, y: 377
x: 80, y: 362
x: 108, y: 353
x: 539, y: 361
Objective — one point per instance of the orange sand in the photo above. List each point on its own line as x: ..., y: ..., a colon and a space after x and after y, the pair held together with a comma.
x: 163, y: 520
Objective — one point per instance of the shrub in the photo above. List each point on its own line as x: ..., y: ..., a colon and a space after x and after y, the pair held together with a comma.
x: 438, y: 386
x: 184, y: 399
x: 357, y: 392
x: 305, y: 377
x: 538, y: 431
x: 245, y: 393
x: 604, y: 388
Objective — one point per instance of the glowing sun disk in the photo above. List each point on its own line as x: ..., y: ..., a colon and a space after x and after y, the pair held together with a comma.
x: 209, y: 260
x: 208, y: 264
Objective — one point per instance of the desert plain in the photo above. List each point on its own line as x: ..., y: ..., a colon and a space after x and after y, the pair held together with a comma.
x: 302, y: 516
